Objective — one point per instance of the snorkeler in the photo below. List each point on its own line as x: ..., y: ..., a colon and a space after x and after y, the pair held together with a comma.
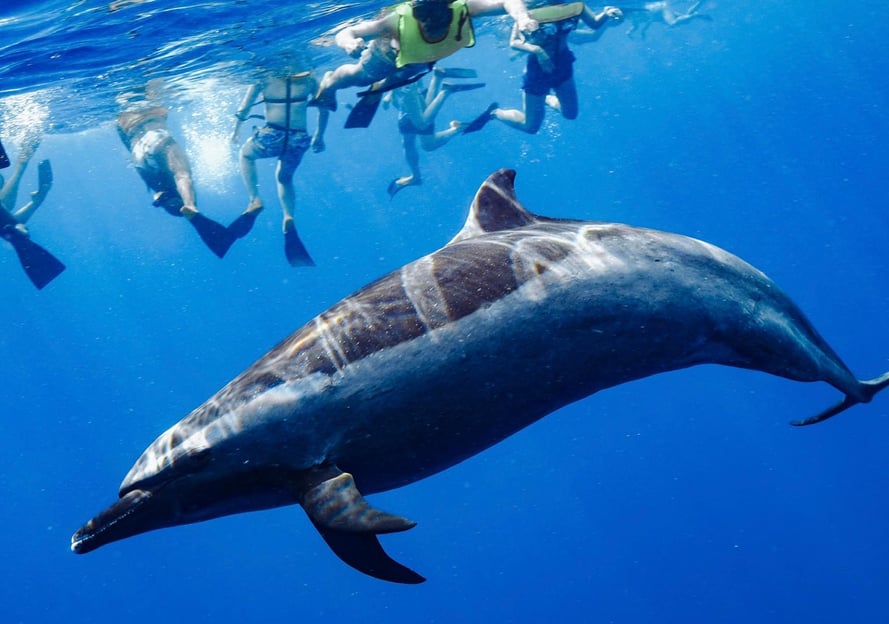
x: 163, y: 166
x: 550, y: 66
x: 408, y: 39
x: 418, y: 108
x: 40, y: 266
x: 660, y: 11
x: 285, y: 137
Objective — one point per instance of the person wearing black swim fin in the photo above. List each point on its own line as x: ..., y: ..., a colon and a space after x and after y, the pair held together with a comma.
x: 417, y: 108
x: 408, y: 39
x: 283, y: 136
x: 40, y: 266
x: 162, y: 164
x: 549, y: 73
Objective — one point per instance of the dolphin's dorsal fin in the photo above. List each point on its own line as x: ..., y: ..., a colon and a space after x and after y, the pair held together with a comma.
x: 495, y: 208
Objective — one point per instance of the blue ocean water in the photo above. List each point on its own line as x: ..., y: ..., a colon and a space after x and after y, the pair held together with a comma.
x: 684, y: 497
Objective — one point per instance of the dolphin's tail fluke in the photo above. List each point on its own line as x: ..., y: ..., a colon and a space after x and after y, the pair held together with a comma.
x: 868, y: 389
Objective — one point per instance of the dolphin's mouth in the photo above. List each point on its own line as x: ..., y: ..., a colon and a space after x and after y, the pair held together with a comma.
x: 111, y: 525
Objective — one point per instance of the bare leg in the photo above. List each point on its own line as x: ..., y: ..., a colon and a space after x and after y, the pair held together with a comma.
x: 177, y: 163
x: 434, y: 88
x: 248, y: 173
x: 10, y: 191
x: 286, y: 192
x: 431, y: 142
x: 412, y: 156
x: 528, y: 120
x: 567, y: 99
x: 44, y: 174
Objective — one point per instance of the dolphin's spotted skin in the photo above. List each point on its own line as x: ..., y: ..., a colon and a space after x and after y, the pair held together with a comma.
x: 518, y: 315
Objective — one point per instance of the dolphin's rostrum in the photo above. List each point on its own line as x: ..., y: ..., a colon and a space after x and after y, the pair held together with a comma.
x: 517, y: 316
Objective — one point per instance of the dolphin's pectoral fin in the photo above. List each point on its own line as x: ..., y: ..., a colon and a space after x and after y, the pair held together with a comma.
x: 363, y: 552
x: 350, y: 525
x: 338, y: 505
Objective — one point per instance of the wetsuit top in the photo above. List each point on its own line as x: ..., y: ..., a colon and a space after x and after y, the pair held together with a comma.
x: 415, y: 47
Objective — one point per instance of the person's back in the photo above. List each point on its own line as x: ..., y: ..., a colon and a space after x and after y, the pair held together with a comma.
x: 286, y: 100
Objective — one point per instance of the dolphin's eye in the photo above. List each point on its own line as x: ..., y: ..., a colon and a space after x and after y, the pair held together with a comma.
x: 199, y: 455
x: 269, y: 380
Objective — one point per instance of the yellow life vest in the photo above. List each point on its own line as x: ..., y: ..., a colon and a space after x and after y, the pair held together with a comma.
x: 413, y: 46
x: 556, y: 12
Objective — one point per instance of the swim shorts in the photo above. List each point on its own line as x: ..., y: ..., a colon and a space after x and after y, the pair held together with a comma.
x: 276, y: 142
x: 148, y: 148
x: 406, y: 126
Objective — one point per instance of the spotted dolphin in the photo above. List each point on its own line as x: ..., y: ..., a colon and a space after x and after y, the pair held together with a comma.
x: 515, y: 317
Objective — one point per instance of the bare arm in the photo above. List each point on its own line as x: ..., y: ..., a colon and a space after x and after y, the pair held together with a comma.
x: 352, y: 38
x: 517, y: 41
x: 516, y: 9
x: 595, y: 21
x: 244, y: 109
x: 323, y: 116
x: 609, y: 15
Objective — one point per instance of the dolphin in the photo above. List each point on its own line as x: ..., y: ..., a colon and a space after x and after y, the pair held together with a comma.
x: 514, y: 318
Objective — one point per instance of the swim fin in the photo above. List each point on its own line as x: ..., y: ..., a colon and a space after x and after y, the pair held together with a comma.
x: 481, y: 121
x: 456, y: 87
x: 4, y: 158
x: 40, y: 266
x: 456, y: 72
x: 364, y: 110
x: 395, y: 185
x: 240, y: 227
x: 215, y: 235
x: 295, y: 251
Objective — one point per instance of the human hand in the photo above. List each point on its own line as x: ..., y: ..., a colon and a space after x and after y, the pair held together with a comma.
x: 354, y: 46
x: 613, y: 12
x: 527, y: 24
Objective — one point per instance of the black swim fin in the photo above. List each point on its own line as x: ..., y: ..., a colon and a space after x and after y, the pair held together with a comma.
x: 295, y: 251
x: 215, y: 235
x: 395, y: 186
x: 364, y: 110
x: 456, y: 72
x: 40, y: 266
x: 481, y: 121
x: 240, y: 227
